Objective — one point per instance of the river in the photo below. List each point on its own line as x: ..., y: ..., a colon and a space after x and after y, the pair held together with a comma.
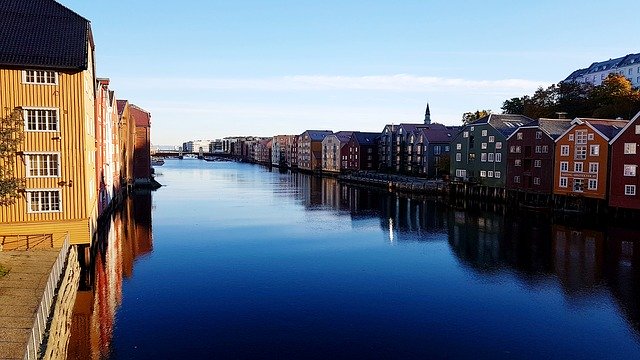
x: 234, y: 261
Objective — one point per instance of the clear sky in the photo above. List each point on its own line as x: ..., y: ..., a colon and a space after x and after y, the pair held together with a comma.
x: 207, y: 69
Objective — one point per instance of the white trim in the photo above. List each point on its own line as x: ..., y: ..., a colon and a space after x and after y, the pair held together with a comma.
x: 43, y: 212
x: 28, y: 164
x: 26, y: 120
x: 24, y: 78
x: 625, y: 128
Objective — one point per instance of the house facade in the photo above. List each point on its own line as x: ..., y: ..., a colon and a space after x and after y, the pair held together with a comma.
x: 531, y: 155
x: 628, y: 66
x: 310, y: 149
x: 333, y: 155
x: 582, y: 157
x: 361, y: 152
x: 141, y: 146
x: 623, y: 171
x: 48, y: 79
x: 431, y: 149
x: 479, y: 151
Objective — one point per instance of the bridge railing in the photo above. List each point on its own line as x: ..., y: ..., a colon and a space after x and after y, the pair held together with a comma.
x: 44, y: 309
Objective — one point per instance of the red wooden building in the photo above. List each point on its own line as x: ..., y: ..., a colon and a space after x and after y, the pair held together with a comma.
x: 625, y: 159
x: 142, y: 145
x: 361, y: 151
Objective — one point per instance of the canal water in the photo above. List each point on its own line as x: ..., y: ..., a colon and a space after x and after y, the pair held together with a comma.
x: 234, y: 261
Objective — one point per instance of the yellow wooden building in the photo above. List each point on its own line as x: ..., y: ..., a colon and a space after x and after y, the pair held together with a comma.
x: 47, y: 74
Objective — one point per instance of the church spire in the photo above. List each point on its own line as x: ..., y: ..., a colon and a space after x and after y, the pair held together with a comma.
x: 427, y: 116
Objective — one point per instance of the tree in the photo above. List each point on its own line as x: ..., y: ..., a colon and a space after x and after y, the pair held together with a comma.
x: 469, y: 117
x: 615, y: 97
x: 514, y: 105
x: 11, y: 136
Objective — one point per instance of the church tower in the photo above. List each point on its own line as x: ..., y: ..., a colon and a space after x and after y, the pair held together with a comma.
x: 427, y: 116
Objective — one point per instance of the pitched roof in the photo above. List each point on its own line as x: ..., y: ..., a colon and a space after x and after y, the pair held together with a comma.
x: 140, y: 116
x: 365, y: 138
x: 607, y: 127
x: 605, y: 65
x: 343, y: 136
x: 633, y: 121
x: 318, y: 135
x: 437, y: 133
x: 552, y: 127
x: 43, y: 34
x: 121, y: 105
x: 504, y: 123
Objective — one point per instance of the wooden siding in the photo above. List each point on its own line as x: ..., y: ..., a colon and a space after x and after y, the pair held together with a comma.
x: 527, y: 172
x: 617, y: 196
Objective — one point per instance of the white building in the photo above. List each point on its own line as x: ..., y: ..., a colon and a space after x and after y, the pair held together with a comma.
x: 195, y: 146
x: 628, y: 66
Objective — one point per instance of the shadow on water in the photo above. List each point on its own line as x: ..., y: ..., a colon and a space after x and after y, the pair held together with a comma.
x: 123, y: 238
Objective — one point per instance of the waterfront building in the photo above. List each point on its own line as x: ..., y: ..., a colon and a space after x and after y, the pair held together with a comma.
x: 196, y: 146
x: 262, y: 151
x: 126, y: 134
x: 386, y: 148
x: 293, y: 159
x: 141, y: 145
x: 281, y: 150
x: 531, y: 155
x: 310, y: 149
x: 334, y: 158
x: 479, y: 152
x: 107, y: 141
x: 582, y: 158
x: 216, y: 147
x: 628, y: 66
x: 430, y: 147
x: 47, y: 68
x: 623, y: 172
x: 362, y: 151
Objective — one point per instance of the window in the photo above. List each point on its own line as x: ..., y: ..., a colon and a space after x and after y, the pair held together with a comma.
x: 593, y: 168
x: 564, y: 150
x: 40, y: 77
x: 436, y: 150
x: 581, y: 153
x: 570, y: 137
x: 42, y: 201
x: 483, y: 146
x: 483, y: 157
x: 484, y: 132
x: 537, y: 163
x: 498, y: 157
x: 592, y: 184
x: 458, y: 157
x: 491, y: 157
x: 536, y: 181
x: 594, y: 150
x: 578, y: 185
x: 629, y: 148
x: 492, y: 138
x: 518, y: 149
x: 516, y: 179
x: 446, y: 148
x: 496, y: 174
x: 538, y: 135
x: 590, y: 136
x: 563, y: 182
x: 483, y: 173
x: 630, y: 170
x: 490, y: 173
x: 499, y: 145
x: 458, y: 146
x: 512, y: 149
x: 577, y: 167
x: 581, y: 137
x: 564, y: 166
x: 461, y: 173
x: 538, y: 149
x: 545, y: 149
x: 629, y: 189
x: 41, y: 119
x: 517, y: 162
x: 637, y: 129
x: 43, y: 165
x: 465, y: 134
x: 519, y: 136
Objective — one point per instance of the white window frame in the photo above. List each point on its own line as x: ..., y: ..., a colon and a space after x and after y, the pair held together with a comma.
x: 25, y: 77
x: 483, y: 157
x: 594, y: 150
x: 484, y: 132
x: 492, y: 138
x: 516, y: 179
x: 498, y: 157
x: 629, y: 148
x: 630, y: 170
x: 29, y: 164
x: 519, y: 136
x: 499, y: 145
x: 490, y: 157
x: 458, y: 146
x: 483, y: 173
x: 594, y: 167
x: 458, y: 157
x: 590, y: 136
x: 497, y: 174
x: 563, y: 182
x: 580, y: 152
x: 517, y: 162
x: 29, y: 200
x: 630, y: 190
x: 538, y: 135
x: 564, y: 166
x: 536, y: 181
x: 483, y: 146
x: 578, y: 166
x: 490, y: 173
x: 537, y: 163
x: 564, y: 150
x: 25, y: 114
x: 592, y: 184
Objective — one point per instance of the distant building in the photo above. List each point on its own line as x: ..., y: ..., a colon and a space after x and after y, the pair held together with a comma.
x: 628, y: 66
x: 142, y: 145
x: 625, y: 159
x: 195, y: 146
x: 332, y: 153
x: 310, y: 149
x: 362, y: 151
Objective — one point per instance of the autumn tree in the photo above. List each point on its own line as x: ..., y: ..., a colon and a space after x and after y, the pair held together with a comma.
x: 615, y: 97
x: 11, y: 136
x: 469, y: 117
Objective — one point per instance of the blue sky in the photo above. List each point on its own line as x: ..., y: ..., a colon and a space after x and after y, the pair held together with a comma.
x: 209, y: 69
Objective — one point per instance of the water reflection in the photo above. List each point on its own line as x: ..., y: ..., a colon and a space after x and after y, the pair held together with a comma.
x: 125, y: 237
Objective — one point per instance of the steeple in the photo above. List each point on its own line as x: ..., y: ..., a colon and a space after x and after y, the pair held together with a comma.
x: 427, y: 116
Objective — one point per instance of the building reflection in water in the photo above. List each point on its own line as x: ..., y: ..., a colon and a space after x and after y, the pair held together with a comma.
x: 124, y: 238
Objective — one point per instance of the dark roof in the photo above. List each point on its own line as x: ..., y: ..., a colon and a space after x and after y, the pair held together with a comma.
x: 606, y: 65
x: 343, y: 136
x: 365, y: 138
x: 608, y: 127
x: 318, y: 135
x: 552, y: 127
x: 43, y: 34
x: 504, y: 123
x: 437, y: 133
x: 121, y: 105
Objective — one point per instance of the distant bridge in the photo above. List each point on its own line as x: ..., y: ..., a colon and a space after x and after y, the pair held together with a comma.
x: 181, y: 154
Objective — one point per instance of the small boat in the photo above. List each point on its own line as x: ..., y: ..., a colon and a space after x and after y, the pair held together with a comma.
x: 157, y: 161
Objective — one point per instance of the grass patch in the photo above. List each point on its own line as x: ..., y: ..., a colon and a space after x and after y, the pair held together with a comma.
x: 3, y: 271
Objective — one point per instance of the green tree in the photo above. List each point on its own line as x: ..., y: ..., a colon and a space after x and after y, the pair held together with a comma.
x: 514, y: 105
x: 11, y: 136
x: 469, y: 117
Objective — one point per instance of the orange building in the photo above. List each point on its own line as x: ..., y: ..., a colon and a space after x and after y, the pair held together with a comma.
x: 582, y: 157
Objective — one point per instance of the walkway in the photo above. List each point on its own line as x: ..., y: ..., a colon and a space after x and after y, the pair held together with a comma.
x: 20, y: 294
